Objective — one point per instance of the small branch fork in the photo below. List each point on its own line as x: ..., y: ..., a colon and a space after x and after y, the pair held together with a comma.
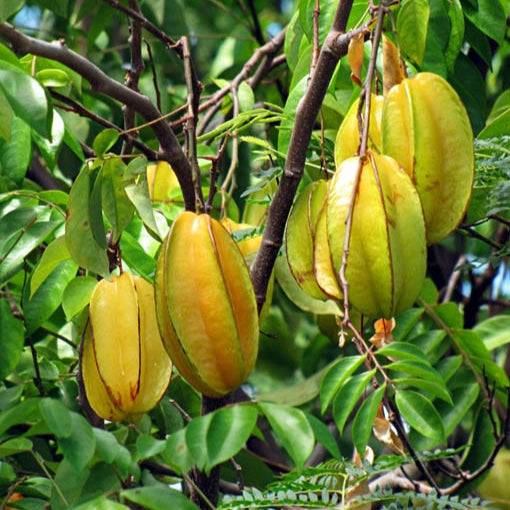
x: 335, y: 46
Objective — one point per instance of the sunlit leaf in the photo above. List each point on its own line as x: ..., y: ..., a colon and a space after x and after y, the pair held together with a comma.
x: 419, y: 412
x: 364, y: 419
x: 336, y: 376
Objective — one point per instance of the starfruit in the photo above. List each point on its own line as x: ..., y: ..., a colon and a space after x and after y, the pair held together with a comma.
x: 348, y: 138
x: 248, y: 239
x: 387, y: 253
x: 426, y: 128
x: 307, y: 248
x: 124, y: 365
x: 205, y: 304
x: 162, y: 181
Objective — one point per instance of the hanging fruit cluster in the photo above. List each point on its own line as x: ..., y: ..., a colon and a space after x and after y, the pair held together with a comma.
x: 367, y: 229
x: 124, y: 366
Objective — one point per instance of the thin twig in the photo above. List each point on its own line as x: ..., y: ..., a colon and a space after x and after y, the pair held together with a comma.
x: 101, y: 83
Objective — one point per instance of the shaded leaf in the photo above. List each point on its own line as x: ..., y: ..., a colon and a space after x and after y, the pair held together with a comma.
x: 16, y: 154
x: 158, y: 497
x: 228, y: 431
x: 104, y: 141
x: 56, y: 416
x: 13, y: 337
x: 78, y: 448
x: 80, y: 240
x: 292, y: 429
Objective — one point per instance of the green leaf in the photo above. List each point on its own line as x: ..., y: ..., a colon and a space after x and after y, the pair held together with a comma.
x: 148, y: 446
x: 136, y: 256
x: 228, y: 431
x: 68, y: 486
x: 55, y: 253
x: 348, y: 396
x: 456, y: 39
x: 9, y: 7
x: 246, y: 97
x: 402, y: 351
x: 498, y: 126
x: 158, y: 497
x: 26, y: 97
x: 336, y: 376
x: 195, y: 434
x: 412, y: 24
x: 419, y: 412
x: 289, y: 114
x: 494, y: 331
x: 77, y: 294
x: 292, y: 429
x: 436, y: 389
x: 104, y: 141
x: 6, y: 116
x: 101, y: 503
x: 48, y: 297
x: 15, y: 155
x: 107, y: 446
x: 489, y: 16
x: 19, y: 244
x: 80, y: 240
x: 116, y: 205
x: 49, y: 147
x: 25, y: 412
x: 138, y: 193
x: 406, y: 322
x: 14, y: 446
x: 420, y: 369
x: 55, y: 78
x: 364, y: 420
x: 176, y: 453
x: 78, y: 448
x: 56, y: 416
x: 13, y: 337
x: 450, y: 314
x: 324, y: 436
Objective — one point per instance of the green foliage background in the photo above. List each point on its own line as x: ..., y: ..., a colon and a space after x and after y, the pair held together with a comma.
x: 312, y: 401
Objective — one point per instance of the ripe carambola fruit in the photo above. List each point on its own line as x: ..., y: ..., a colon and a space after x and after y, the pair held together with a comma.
x: 425, y: 127
x: 387, y: 250
x: 348, y: 136
x: 205, y: 305
x: 124, y: 365
x: 307, y: 249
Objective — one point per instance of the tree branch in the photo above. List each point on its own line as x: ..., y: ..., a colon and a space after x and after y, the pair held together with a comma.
x: 335, y: 46
x: 101, y: 83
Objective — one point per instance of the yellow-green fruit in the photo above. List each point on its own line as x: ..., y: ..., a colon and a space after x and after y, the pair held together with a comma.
x: 249, y: 244
x: 161, y: 180
x: 387, y: 249
x: 348, y: 135
x: 124, y: 365
x: 309, y: 262
x: 426, y: 128
x: 205, y: 303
